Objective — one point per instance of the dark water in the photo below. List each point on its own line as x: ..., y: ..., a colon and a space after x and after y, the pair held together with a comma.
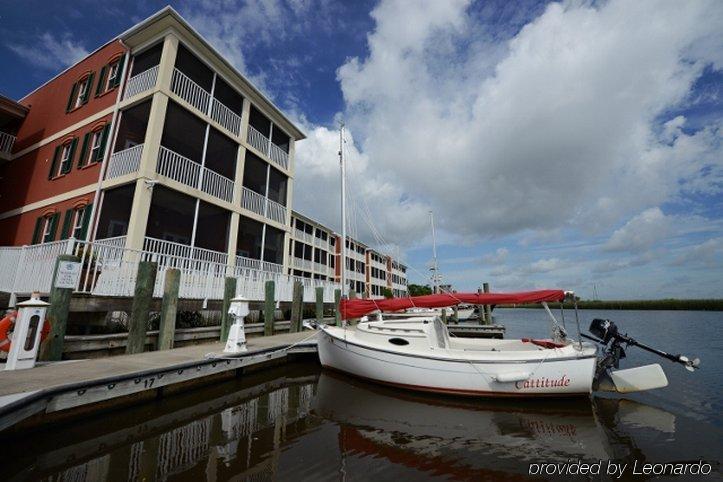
x: 299, y: 423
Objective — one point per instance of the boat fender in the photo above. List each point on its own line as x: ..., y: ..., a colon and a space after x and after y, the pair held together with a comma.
x: 7, y: 323
x: 543, y: 343
x: 512, y: 377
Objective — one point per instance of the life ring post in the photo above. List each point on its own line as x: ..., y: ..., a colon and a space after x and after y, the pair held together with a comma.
x: 60, y: 296
x: 28, y: 328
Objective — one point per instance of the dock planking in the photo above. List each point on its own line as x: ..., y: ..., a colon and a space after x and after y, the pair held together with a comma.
x: 77, y: 384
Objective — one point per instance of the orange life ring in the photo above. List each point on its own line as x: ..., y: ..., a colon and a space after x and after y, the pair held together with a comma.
x: 7, y: 323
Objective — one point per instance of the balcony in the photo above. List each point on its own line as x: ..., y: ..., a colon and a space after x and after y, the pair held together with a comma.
x: 263, y: 206
x: 201, y: 99
x: 300, y: 263
x: 264, y: 145
x: 183, y: 251
x: 303, y: 236
x: 141, y: 82
x: 6, y: 143
x: 124, y: 162
x: 244, y: 263
x: 192, y: 174
x: 321, y: 268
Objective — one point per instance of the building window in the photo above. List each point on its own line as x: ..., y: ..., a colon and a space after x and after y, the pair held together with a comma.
x: 45, y: 228
x: 62, y: 159
x: 75, y: 223
x: 113, y: 75
x: 93, y: 146
x: 79, y: 93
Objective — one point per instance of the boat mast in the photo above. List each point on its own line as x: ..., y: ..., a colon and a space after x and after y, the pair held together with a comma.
x: 435, y: 267
x: 342, y: 164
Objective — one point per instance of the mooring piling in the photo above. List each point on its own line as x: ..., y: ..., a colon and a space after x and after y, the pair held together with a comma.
x: 169, y: 309
x: 58, y: 314
x: 319, y: 304
x: 229, y: 292
x: 142, y: 297
x: 297, y: 307
x: 269, y: 308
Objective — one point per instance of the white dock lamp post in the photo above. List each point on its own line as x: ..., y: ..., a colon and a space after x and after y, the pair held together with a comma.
x: 27, y: 333
x: 236, y: 342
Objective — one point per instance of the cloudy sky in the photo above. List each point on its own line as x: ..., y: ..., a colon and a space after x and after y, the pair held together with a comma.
x: 559, y: 144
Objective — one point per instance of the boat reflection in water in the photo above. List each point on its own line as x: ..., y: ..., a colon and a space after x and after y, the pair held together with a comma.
x: 297, y: 424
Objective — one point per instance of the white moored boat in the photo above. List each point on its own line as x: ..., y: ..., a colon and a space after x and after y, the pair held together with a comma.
x: 419, y: 354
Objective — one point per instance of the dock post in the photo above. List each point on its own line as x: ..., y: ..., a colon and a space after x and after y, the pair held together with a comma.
x: 229, y: 292
x: 444, y: 315
x: 337, y: 301
x: 487, y: 308
x: 455, y: 314
x: 320, y: 304
x: 269, y: 308
x: 57, y: 315
x: 169, y: 309
x: 352, y: 296
x: 297, y: 307
x: 142, y: 297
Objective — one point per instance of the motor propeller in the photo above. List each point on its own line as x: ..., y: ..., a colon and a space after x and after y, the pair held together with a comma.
x: 606, y: 333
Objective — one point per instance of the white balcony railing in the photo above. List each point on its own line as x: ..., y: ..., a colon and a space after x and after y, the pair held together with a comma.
x: 217, y: 185
x: 184, y: 251
x: 243, y: 262
x: 124, y: 162
x: 321, y: 268
x: 263, y: 206
x: 300, y: 263
x: 6, y: 142
x: 225, y: 116
x: 264, y: 145
x: 188, y: 172
x: 191, y: 92
x: 141, y: 82
x: 279, y: 156
x: 178, y: 167
x: 302, y: 236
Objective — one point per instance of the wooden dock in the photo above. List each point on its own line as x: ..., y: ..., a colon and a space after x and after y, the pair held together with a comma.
x: 63, y: 389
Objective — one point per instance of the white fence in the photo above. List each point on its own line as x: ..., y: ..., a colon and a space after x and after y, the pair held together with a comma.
x: 141, y: 82
x: 264, y: 145
x: 6, y: 142
x: 109, y: 269
x: 191, y: 92
x: 124, y: 162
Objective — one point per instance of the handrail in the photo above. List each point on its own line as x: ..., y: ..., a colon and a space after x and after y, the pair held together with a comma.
x: 141, y: 82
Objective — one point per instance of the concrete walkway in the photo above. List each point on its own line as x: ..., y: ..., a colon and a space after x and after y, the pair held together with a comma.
x: 65, y: 385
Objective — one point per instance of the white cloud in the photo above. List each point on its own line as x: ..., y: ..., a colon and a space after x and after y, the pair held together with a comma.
x: 498, y: 257
x: 560, y: 132
x: 50, y: 52
x: 641, y: 232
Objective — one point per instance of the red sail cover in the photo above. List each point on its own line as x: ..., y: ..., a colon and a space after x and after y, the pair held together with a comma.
x: 357, y: 308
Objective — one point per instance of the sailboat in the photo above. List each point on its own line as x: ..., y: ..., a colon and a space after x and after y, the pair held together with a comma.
x: 418, y: 353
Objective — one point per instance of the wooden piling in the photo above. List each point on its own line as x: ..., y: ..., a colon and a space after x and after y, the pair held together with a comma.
x: 269, y: 308
x: 352, y: 296
x: 142, y: 297
x: 169, y: 309
x: 319, y: 304
x: 229, y: 292
x: 337, y: 301
x: 297, y: 307
x: 57, y: 315
x: 487, y: 308
x: 444, y: 315
x: 455, y: 314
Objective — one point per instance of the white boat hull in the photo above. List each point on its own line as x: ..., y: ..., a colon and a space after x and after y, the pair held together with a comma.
x: 546, y: 376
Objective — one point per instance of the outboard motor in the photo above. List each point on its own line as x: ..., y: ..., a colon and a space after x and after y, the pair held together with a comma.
x: 606, y: 333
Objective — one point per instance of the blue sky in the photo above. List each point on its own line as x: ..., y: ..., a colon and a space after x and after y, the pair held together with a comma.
x: 559, y: 145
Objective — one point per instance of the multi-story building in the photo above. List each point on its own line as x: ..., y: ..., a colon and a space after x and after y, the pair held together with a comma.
x: 155, y: 143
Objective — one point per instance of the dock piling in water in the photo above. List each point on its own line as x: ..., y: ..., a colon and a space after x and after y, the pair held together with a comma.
x: 142, y: 297
x: 57, y: 314
x: 229, y: 292
x: 169, y: 309
x: 269, y: 308
x: 337, y: 300
x: 319, y: 304
x: 487, y: 320
x: 297, y: 307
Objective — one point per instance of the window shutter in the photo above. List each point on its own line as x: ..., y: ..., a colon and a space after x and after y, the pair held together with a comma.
x: 67, y: 222
x: 71, y: 99
x: 101, y: 81
x: 103, y: 142
x: 66, y: 167
x: 36, y: 231
x: 87, y: 90
x: 86, y: 221
x: 117, y: 80
x: 84, y: 150
x: 54, y: 162
x: 53, y: 227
